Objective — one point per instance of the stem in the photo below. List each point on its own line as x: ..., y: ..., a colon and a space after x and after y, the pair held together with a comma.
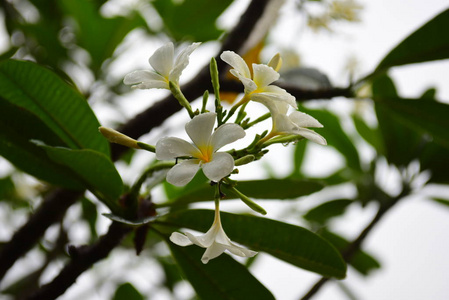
x: 244, y: 100
x: 258, y: 120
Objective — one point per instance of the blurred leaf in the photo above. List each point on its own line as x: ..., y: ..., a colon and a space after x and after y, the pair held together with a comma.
x: 100, y: 36
x: 436, y: 159
x: 322, y: 213
x: 93, y: 169
x: 198, y: 182
x: 336, y: 136
x: 171, y: 272
x: 290, y: 243
x: 369, y: 134
x: 7, y: 188
x: 441, y: 201
x: 287, y: 188
x: 126, y: 291
x: 401, y: 144
x: 429, y: 117
x: 361, y: 261
x: 429, y: 94
x: 306, y: 78
x: 119, y: 219
x: 425, y: 44
x: 178, y: 18
x: 221, y: 278
x: 62, y: 109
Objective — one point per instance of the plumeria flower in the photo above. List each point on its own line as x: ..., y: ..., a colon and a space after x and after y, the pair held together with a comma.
x: 258, y: 87
x: 295, y: 123
x: 203, y: 151
x: 215, y: 240
x: 166, y: 68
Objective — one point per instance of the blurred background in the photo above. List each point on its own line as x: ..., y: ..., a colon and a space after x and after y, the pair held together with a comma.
x: 94, y: 44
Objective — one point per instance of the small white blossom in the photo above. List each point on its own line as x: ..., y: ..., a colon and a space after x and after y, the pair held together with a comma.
x: 257, y: 87
x: 295, y: 123
x: 166, y: 68
x: 203, y: 151
x: 215, y: 240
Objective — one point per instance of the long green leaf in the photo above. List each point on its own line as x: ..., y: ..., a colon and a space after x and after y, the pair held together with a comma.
x: 62, y: 109
x: 428, y: 43
x: 336, y: 136
x: 429, y: 117
x: 322, y: 213
x: 363, y: 262
x: 260, y: 189
x: 290, y: 243
x: 222, y: 278
x: 93, y: 169
x: 17, y: 127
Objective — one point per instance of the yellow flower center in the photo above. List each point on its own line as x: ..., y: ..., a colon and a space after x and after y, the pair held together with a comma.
x: 205, y: 153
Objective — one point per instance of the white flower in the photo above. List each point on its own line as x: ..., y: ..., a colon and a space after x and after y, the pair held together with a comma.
x: 215, y: 165
x: 295, y: 123
x: 257, y: 87
x: 166, y: 68
x: 215, y: 240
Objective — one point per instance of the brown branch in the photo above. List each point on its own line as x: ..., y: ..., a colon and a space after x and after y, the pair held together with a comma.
x: 82, y: 259
x: 51, y: 211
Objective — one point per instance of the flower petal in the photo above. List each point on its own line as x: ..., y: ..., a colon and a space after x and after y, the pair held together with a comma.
x: 143, y: 79
x: 275, y: 93
x: 264, y: 75
x: 226, y: 134
x: 237, y: 62
x: 212, y: 252
x: 304, y: 120
x: 240, y: 251
x: 221, y: 166
x: 183, y: 172
x: 181, y: 62
x: 249, y: 85
x: 172, y: 147
x: 162, y: 59
x: 311, y: 135
x: 180, y: 239
x: 200, y: 128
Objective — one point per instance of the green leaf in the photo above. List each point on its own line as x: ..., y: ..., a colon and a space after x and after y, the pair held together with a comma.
x: 441, y: 201
x: 178, y: 16
x: 290, y: 243
x: 322, y: 213
x: 93, y: 169
x: 369, y: 134
x: 287, y: 188
x: 137, y: 223
x: 221, y: 278
x: 401, y: 144
x: 17, y: 127
x: 126, y: 291
x: 428, y: 43
x: 335, y: 136
x: 363, y: 262
x: 62, y: 109
x: 423, y: 116
x: 298, y: 158
x: 98, y: 35
x: 89, y: 213
x: 434, y: 157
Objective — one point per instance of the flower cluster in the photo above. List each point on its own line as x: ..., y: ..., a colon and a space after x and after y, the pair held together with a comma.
x: 207, y: 139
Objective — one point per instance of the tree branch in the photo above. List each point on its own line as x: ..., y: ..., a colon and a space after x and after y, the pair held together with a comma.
x: 51, y: 211
x: 82, y: 259
x: 352, y: 248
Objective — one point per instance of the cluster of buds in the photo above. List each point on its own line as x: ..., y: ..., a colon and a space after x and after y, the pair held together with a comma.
x: 208, y: 138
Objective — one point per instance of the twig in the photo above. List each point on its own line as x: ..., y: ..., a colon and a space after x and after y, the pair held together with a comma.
x: 51, y: 211
x: 82, y: 259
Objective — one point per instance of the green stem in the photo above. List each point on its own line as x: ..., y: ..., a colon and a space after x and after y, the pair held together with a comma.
x: 244, y: 100
x: 258, y: 120
x: 181, y: 98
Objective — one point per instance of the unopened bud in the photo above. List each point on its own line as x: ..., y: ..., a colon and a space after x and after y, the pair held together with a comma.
x: 244, y: 160
x: 276, y: 62
x: 116, y: 137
